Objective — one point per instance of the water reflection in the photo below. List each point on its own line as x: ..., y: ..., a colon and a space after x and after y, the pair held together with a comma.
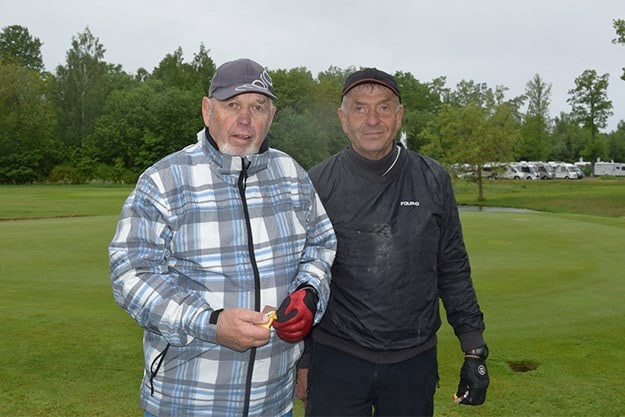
x: 487, y: 208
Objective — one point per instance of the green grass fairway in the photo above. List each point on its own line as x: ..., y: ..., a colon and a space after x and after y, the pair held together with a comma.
x: 551, y: 286
x: 67, y: 349
x: 600, y: 196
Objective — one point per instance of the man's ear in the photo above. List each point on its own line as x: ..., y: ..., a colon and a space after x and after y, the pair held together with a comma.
x: 342, y: 118
x: 206, y: 109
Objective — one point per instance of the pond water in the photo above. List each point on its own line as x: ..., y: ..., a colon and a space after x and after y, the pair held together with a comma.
x: 504, y: 209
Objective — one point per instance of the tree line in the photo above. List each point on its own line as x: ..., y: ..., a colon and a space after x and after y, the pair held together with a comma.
x: 89, y: 120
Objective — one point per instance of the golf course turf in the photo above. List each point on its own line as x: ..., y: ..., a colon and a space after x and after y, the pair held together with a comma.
x: 551, y: 285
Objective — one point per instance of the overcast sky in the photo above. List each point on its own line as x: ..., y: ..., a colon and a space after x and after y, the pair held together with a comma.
x: 498, y: 42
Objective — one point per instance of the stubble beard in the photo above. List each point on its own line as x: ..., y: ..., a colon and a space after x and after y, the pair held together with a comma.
x: 227, y: 149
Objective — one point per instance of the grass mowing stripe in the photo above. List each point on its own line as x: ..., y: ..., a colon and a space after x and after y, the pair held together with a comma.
x: 44, y: 201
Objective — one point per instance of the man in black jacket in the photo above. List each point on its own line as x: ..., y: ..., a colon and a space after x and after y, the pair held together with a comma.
x: 400, y: 249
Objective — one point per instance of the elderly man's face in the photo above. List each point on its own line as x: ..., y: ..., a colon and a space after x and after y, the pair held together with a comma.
x: 371, y: 117
x: 240, y: 124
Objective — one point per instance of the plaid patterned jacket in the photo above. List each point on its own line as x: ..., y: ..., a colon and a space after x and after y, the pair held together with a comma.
x: 181, y: 251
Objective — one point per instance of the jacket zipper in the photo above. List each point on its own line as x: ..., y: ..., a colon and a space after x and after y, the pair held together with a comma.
x: 250, y: 245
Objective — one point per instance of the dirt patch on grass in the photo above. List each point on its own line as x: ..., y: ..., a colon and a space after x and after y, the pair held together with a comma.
x: 523, y: 365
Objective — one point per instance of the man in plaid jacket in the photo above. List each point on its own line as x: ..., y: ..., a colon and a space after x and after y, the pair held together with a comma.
x: 210, y: 235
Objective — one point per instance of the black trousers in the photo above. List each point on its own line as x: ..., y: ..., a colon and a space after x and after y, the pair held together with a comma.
x: 343, y: 385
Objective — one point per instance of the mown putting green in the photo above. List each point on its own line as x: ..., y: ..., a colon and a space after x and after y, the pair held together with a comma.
x: 551, y: 287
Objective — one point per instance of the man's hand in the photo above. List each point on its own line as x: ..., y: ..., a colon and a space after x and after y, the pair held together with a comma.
x: 301, y: 384
x: 474, y: 381
x: 296, y: 315
x: 239, y: 329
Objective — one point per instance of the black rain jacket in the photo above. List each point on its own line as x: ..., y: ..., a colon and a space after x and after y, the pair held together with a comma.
x: 400, y: 250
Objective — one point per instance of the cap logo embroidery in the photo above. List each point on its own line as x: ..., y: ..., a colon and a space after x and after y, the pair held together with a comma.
x: 263, y: 83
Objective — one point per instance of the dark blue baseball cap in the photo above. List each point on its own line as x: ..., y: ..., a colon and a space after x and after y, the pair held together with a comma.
x: 370, y: 75
x: 240, y: 76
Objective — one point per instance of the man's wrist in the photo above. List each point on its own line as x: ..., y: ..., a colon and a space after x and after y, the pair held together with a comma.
x: 214, y: 317
x: 478, y: 353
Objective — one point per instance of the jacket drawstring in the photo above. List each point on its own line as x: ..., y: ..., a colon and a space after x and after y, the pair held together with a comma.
x: 153, y: 371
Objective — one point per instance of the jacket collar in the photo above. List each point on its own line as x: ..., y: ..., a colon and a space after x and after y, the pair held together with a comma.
x: 386, y: 166
x: 232, y: 164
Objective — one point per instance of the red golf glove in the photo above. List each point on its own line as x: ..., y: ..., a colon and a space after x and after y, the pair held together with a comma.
x: 296, y: 315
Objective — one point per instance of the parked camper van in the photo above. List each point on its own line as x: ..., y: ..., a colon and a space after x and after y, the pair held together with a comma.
x: 616, y: 169
x: 545, y: 171
x: 567, y: 171
x: 520, y: 171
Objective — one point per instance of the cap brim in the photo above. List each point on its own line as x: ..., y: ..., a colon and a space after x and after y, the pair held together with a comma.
x: 370, y: 81
x: 226, y: 93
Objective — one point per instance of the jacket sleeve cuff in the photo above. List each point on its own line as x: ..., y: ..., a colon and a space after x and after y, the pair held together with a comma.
x: 471, y: 340
x: 202, y: 326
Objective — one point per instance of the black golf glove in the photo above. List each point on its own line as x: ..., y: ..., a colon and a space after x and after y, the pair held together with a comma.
x: 474, y: 380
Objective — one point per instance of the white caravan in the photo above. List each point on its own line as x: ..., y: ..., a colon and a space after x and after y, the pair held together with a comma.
x: 616, y: 169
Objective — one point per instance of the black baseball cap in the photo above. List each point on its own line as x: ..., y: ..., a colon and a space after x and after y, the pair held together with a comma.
x: 370, y: 75
x: 240, y: 76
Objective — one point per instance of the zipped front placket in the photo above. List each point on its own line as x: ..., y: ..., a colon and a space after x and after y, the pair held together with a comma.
x: 250, y: 246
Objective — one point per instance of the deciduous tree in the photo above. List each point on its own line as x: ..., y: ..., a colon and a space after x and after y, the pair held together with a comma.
x: 27, y: 126
x: 19, y: 47
x: 421, y: 103
x: 591, y: 107
x: 81, y: 87
x: 483, y: 129
x: 535, y: 138
x: 195, y: 76
x: 619, y: 27
x: 567, y: 139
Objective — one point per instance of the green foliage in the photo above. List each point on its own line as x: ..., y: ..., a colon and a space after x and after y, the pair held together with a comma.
x: 27, y: 126
x: 81, y: 88
x: 300, y: 136
x: 325, y: 107
x: 421, y: 102
x: 142, y: 125
x: 306, y: 125
x: 177, y: 120
x: 568, y: 139
x: 98, y: 123
x: 294, y: 88
x: 125, y: 118
x: 589, y: 103
x: 616, y: 143
x: 535, y: 143
x: 65, y: 174
x: 20, y: 168
x: 17, y: 46
x: 475, y: 127
x: 193, y: 77
x: 619, y: 27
